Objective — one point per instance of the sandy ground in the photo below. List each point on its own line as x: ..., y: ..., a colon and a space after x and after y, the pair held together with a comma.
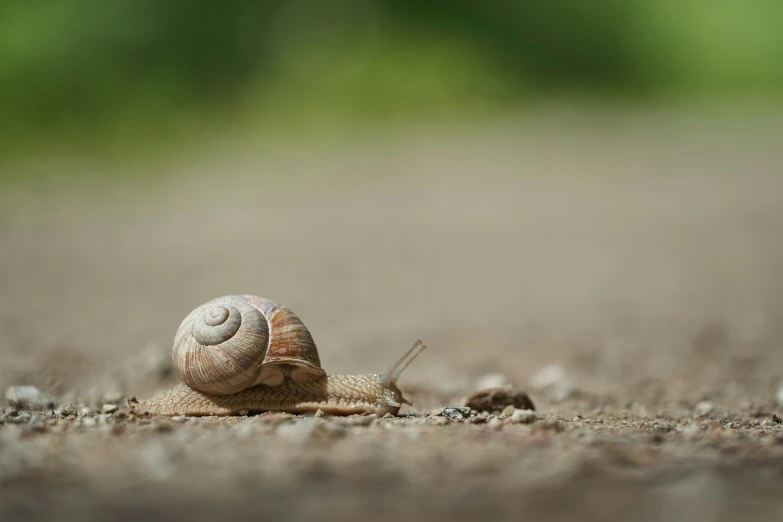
x: 643, y: 257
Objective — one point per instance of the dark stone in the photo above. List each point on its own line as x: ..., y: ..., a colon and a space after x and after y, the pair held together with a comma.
x: 456, y: 413
x: 496, y: 399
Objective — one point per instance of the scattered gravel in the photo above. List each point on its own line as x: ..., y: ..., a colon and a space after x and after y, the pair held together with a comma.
x: 414, y: 449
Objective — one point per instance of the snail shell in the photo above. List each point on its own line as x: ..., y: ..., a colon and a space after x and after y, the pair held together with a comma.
x: 234, y: 342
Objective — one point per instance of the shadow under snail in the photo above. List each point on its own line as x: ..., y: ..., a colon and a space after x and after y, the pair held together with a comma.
x: 248, y: 353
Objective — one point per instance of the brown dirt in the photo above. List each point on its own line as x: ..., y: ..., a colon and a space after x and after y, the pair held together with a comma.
x: 644, y: 257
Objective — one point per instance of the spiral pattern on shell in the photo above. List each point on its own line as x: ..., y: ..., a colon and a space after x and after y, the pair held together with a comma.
x: 221, y: 345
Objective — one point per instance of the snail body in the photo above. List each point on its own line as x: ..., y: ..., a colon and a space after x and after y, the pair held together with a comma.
x: 248, y: 353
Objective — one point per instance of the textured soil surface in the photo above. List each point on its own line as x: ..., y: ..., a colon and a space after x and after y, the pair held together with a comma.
x: 628, y: 277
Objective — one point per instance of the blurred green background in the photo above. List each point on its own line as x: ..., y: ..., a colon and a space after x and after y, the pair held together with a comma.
x: 126, y: 80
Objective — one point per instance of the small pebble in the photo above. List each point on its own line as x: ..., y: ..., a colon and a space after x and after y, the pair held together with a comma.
x: 85, y: 412
x: 319, y: 413
x: 523, y: 416
x: 37, y: 424
x: 554, y: 380
x: 110, y: 408
x: 508, y: 410
x: 68, y: 410
x: 703, y: 408
x: 456, y: 413
x: 28, y: 398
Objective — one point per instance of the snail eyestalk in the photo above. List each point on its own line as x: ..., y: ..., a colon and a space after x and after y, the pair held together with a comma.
x: 390, y: 376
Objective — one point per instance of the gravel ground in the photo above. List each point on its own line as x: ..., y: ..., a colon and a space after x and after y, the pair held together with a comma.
x: 627, y: 277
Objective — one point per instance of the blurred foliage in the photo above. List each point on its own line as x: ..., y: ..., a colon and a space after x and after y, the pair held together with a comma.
x: 98, y: 74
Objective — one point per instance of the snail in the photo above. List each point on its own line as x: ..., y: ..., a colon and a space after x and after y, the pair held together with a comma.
x: 247, y: 353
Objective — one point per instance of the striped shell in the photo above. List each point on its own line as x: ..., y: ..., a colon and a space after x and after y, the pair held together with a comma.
x: 235, y: 342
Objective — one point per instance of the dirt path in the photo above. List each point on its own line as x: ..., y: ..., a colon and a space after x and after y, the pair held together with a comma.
x: 644, y: 259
